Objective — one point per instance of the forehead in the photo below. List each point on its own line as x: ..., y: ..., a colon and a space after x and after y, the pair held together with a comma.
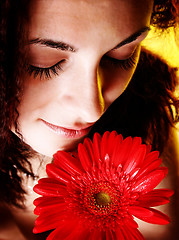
x: 74, y: 18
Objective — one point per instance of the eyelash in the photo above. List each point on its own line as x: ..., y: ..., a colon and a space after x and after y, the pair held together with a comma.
x: 123, y: 64
x: 47, y: 72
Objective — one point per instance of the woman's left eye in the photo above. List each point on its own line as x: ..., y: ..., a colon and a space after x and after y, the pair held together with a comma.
x: 46, y: 72
x: 123, y: 64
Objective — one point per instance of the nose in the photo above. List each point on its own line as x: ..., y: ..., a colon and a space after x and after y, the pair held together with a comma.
x: 93, y: 99
x: 87, y: 95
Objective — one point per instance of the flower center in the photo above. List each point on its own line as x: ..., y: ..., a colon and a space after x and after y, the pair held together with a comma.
x: 103, y: 198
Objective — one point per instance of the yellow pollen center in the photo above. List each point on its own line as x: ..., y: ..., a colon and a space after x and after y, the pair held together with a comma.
x: 103, y: 198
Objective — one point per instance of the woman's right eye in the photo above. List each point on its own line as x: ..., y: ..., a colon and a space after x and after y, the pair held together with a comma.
x: 45, y: 72
x: 125, y: 64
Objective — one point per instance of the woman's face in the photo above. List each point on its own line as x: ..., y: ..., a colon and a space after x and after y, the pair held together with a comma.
x: 82, y: 55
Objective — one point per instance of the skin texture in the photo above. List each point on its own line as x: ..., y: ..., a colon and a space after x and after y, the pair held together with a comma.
x: 82, y: 91
x: 89, y: 81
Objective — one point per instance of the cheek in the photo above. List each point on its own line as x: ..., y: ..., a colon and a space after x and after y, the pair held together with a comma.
x: 36, y: 94
x: 115, y: 80
x: 114, y: 84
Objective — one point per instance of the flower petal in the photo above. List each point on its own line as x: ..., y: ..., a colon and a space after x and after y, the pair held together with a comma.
x: 104, y: 144
x: 122, y: 151
x: 136, y: 142
x: 148, y: 149
x: 97, y: 234
x: 48, y: 181
x: 161, y: 192
x: 157, y: 218
x: 153, y: 202
x: 40, y: 200
x: 138, y: 211
x: 128, y: 171
x: 50, y: 205
x: 60, y: 233
x: 48, y: 221
x: 57, y: 173
x: 133, y: 234
x: 128, y: 221
x: 137, y: 235
x: 65, y: 161
x: 44, y: 228
x: 97, y: 147
x: 119, y: 234
x: 150, y: 181
x: 150, y: 157
x: 113, y: 141
x: 78, y: 233
x: 50, y: 189
x: 110, y: 235
x: 84, y: 158
x: 89, y: 147
x: 149, y: 168
x: 135, y: 159
x: 127, y: 232
x: 155, y: 197
x: 109, y: 142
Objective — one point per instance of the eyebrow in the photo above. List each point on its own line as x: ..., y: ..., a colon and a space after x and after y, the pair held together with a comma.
x: 133, y: 37
x: 53, y: 44
x: 67, y: 47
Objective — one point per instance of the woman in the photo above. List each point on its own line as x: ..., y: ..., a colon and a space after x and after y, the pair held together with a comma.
x: 65, y: 71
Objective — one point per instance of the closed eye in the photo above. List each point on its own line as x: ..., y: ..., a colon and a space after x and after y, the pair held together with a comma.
x: 123, y: 64
x: 45, y: 72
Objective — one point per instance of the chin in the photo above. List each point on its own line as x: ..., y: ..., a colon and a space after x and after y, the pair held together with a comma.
x: 47, y: 143
x: 49, y: 149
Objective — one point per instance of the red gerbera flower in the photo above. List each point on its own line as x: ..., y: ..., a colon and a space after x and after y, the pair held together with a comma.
x: 95, y: 193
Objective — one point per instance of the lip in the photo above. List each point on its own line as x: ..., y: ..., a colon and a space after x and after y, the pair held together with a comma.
x: 67, y: 132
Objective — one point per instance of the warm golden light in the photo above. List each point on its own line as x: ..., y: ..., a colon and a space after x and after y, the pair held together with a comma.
x: 164, y: 44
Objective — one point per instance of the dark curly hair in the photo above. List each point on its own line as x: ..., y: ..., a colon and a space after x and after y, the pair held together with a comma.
x: 153, y: 109
x: 146, y: 107
x: 164, y: 13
